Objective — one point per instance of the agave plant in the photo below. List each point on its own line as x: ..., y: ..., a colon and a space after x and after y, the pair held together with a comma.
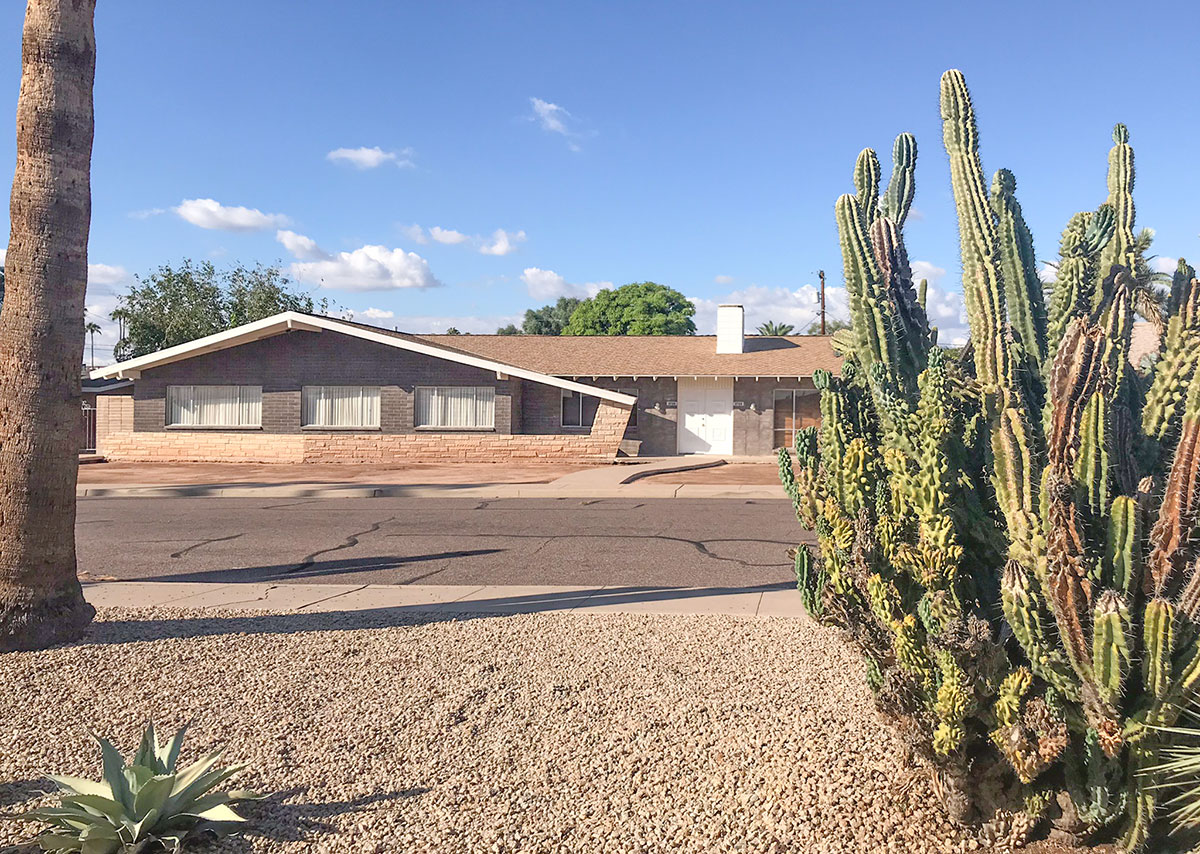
x: 145, y: 805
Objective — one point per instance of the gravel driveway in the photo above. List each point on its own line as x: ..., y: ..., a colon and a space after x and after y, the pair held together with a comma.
x: 532, y: 733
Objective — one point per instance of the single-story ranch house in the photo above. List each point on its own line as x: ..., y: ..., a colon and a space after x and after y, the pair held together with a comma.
x: 304, y: 388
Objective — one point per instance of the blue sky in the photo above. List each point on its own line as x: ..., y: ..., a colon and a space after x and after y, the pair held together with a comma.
x: 561, y: 146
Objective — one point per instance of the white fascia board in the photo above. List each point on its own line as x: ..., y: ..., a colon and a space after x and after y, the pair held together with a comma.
x: 288, y: 320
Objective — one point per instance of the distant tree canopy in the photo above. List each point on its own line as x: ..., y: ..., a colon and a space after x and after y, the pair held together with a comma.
x: 453, y: 330
x: 511, y: 329
x: 641, y: 308
x: 550, y: 319
x: 174, y: 305
x: 832, y: 325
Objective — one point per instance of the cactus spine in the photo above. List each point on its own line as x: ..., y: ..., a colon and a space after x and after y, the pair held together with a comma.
x: 1010, y: 539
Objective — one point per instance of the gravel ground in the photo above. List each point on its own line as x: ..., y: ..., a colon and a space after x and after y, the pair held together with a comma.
x: 532, y: 733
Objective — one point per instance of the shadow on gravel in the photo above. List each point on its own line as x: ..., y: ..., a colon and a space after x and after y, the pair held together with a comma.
x: 19, y: 791
x: 278, y: 820
x: 132, y: 631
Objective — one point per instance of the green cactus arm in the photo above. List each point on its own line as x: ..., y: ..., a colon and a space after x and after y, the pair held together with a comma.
x: 1121, y: 250
x: 1123, y: 548
x: 897, y: 199
x: 1079, y: 253
x: 1110, y: 651
x: 864, y: 285
x: 866, y: 185
x: 1023, y: 287
x: 1176, y: 368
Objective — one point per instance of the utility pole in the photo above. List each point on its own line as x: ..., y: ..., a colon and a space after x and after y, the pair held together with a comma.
x: 821, y: 273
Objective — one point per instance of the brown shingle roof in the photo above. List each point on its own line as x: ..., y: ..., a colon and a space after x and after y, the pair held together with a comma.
x: 649, y: 355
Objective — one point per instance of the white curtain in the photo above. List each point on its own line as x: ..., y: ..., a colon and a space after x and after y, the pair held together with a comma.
x: 214, y: 405
x: 340, y: 406
x: 455, y: 406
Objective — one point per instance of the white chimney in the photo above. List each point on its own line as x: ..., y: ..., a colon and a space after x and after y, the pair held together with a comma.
x: 731, y: 329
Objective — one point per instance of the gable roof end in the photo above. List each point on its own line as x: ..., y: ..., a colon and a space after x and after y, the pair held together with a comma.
x: 294, y: 320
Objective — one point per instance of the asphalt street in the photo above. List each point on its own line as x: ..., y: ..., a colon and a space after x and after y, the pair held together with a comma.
x: 655, y: 542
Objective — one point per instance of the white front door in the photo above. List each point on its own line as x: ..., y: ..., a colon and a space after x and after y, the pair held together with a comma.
x: 705, y: 415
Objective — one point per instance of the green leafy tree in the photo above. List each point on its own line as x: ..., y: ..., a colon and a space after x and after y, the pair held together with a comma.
x: 773, y: 328
x: 550, y: 319
x: 258, y: 292
x: 641, y: 308
x: 453, y: 330
x: 174, y: 305
x: 511, y: 329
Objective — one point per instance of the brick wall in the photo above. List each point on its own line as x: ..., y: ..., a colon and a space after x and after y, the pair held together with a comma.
x: 260, y: 446
x: 542, y: 410
x: 114, y: 415
x: 284, y: 364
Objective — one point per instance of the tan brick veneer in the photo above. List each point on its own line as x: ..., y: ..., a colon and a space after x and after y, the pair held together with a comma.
x: 123, y: 443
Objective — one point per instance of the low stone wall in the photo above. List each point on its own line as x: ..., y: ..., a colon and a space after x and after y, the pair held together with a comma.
x: 253, y: 446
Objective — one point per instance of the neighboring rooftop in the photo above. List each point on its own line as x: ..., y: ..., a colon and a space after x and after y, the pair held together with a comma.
x: 649, y: 355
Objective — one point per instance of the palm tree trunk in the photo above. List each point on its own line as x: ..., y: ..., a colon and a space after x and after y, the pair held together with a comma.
x: 41, y: 340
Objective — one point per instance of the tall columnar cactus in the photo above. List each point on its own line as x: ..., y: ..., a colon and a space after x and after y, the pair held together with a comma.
x: 1010, y: 538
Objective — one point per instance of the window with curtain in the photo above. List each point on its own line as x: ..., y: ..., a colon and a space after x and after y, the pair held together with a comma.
x: 794, y: 409
x: 340, y: 406
x: 578, y: 410
x: 456, y: 406
x: 214, y: 405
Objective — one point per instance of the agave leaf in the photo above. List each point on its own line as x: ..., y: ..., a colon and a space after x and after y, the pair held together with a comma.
x: 97, y: 805
x: 220, y: 813
x: 148, y: 749
x: 114, y: 772
x: 100, y: 846
x: 181, y: 799
x: 64, y: 818
x: 58, y: 842
x: 196, y: 770
x: 169, y: 755
x: 154, y: 795
x: 138, y: 776
x: 142, y: 829
x: 80, y: 786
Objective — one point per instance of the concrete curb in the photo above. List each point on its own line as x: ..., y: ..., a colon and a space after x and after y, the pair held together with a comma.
x: 492, y: 492
x: 769, y: 600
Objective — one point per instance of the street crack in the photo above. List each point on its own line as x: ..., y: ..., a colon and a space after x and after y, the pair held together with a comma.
x: 182, y: 552
x: 349, y: 542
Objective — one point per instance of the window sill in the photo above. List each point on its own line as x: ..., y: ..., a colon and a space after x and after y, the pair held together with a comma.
x: 320, y: 428
x: 455, y: 429
x: 213, y: 427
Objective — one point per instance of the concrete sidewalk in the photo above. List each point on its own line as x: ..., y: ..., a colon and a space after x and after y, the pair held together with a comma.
x: 768, y: 600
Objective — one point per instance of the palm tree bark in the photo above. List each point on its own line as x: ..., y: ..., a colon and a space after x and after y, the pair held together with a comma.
x: 41, y: 328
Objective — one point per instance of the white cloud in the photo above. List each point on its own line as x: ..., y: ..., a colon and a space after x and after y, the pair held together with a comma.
x: 302, y: 247
x: 370, y: 158
x: 368, y: 268
x: 147, y: 213
x: 549, y: 285
x: 927, y: 270
x: 1048, y: 273
x: 723, y: 280
x: 1164, y: 265
x: 209, y: 213
x: 446, y: 235
x: 105, y: 274
x: 378, y: 314
x: 414, y: 233
x: 467, y: 324
x: 553, y: 119
x: 502, y: 242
